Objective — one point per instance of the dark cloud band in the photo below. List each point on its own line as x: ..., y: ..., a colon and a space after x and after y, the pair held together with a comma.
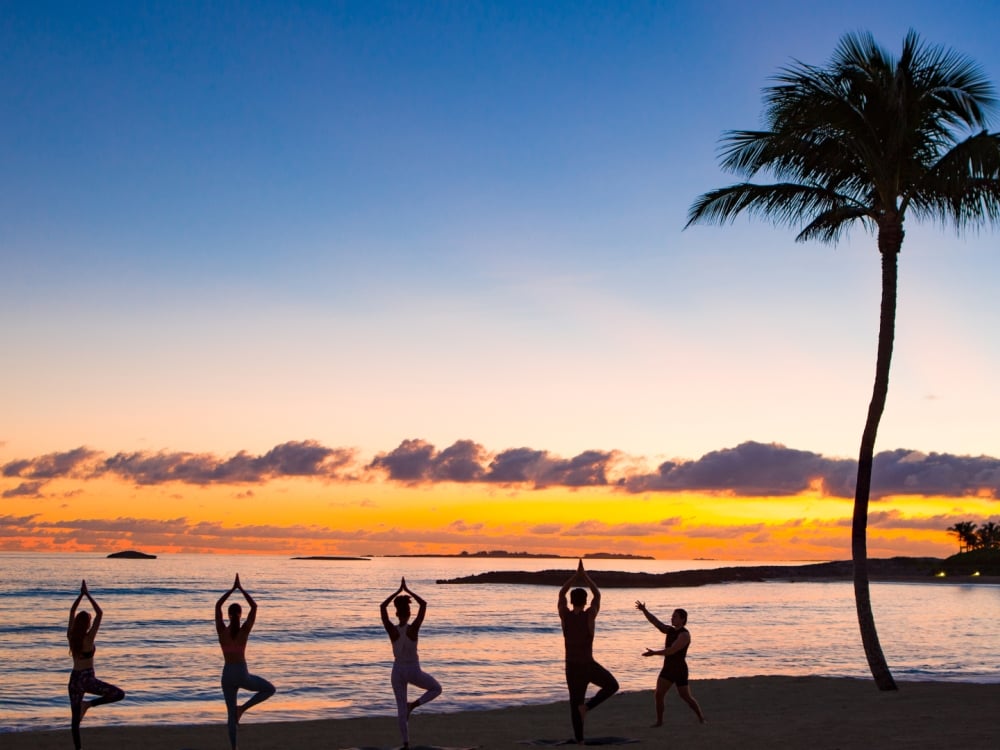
x: 750, y: 469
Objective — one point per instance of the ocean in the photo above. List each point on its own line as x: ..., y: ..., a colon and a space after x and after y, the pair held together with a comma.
x: 318, y: 637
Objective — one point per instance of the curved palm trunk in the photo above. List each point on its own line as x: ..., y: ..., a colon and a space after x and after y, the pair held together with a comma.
x: 890, y: 241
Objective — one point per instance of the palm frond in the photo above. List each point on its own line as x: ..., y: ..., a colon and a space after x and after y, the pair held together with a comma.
x: 957, y: 85
x: 791, y: 157
x: 829, y: 225
x: 783, y: 203
x: 964, y: 186
x: 873, y: 130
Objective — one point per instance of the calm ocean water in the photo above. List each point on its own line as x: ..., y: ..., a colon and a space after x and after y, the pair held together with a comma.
x: 319, y: 640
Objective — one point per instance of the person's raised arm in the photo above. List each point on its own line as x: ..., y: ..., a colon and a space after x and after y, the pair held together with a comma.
x: 421, y: 610
x: 72, y: 610
x: 220, y: 624
x: 98, y: 612
x: 562, y: 605
x: 384, y: 611
x: 595, y: 593
x: 641, y: 606
x: 252, y: 614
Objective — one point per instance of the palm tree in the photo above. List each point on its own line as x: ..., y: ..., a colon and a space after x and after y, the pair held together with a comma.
x: 867, y: 139
x: 988, y: 536
x: 966, y: 533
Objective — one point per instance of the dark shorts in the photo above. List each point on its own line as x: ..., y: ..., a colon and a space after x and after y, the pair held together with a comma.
x: 675, y: 673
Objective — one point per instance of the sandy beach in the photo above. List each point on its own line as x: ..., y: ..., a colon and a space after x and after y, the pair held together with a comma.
x: 811, y: 713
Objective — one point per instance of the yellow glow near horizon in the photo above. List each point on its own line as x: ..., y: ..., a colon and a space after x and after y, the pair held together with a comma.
x: 379, y: 517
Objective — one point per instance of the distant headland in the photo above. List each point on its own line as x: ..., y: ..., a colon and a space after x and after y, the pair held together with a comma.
x: 132, y: 554
x: 331, y: 557
x: 535, y: 555
x: 923, y: 569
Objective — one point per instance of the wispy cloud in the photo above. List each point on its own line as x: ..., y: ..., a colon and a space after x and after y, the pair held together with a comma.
x: 25, y: 489
x: 178, y: 533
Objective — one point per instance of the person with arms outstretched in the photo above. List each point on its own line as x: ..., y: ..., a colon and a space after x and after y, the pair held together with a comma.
x: 81, y: 632
x: 406, y: 664
x: 235, y: 675
x: 675, y: 668
x: 578, y: 625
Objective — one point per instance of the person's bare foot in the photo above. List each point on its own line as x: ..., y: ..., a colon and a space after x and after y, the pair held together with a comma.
x: 657, y: 724
x: 410, y: 706
x: 240, y: 710
x: 582, y: 708
x: 84, y: 707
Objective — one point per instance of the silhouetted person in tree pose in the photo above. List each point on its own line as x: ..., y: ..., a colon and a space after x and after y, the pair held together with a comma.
x: 81, y: 632
x: 675, y: 668
x: 235, y: 675
x: 578, y: 633
x: 406, y: 665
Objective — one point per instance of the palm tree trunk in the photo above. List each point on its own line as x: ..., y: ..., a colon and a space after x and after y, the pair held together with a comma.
x: 890, y: 241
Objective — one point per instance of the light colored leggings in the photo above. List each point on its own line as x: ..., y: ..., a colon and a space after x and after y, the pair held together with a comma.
x: 234, y: 677
x: 411, y: 674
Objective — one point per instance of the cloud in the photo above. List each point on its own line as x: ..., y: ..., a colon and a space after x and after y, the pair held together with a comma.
x: 25, y: 489
x: 467, y: 528
x: 895, y: 519
x: 13, y: 525
x: 910, y: 472
x: 293, y: 459
x: 759, y: 469
x: 412, y: 461
x: 750, y: 469
x: 594, y: 527
x: 539, y: 468
x: 733, y: 531
x: 545, y: 529
x: 99, y: 533
x: 53, y: 465
x: 416, y: 461
x: 599, y: 528
x: 756, y: 469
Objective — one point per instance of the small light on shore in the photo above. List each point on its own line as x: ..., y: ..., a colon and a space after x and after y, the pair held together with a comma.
x: 975, y: 574
x: 939, y: 574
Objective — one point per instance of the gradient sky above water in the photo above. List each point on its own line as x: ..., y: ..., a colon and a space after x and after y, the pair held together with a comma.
x: 341, y: 226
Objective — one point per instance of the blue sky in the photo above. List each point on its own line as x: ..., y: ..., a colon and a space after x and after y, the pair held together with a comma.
x: 225, y: 226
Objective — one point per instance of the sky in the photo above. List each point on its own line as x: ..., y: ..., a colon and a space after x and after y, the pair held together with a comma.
x: 380, y: 278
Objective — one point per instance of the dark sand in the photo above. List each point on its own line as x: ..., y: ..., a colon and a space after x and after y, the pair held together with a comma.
x: 808, y: 713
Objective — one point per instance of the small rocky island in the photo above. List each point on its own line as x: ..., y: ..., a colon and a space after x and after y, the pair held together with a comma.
x: 131, y: 554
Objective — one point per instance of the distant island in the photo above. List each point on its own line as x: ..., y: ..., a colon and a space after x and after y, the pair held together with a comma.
x: 923, y: 569
x: 131, y: 554
x: 330, y: 557
x: 535, y: 555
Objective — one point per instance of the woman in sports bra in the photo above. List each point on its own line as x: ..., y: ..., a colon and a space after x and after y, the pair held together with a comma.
x: 406, y: 665
x: 81, y: 632
x: 235, y: 675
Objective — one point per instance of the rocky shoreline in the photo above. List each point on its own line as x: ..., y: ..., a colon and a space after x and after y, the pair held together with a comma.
x: 923, y: 569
